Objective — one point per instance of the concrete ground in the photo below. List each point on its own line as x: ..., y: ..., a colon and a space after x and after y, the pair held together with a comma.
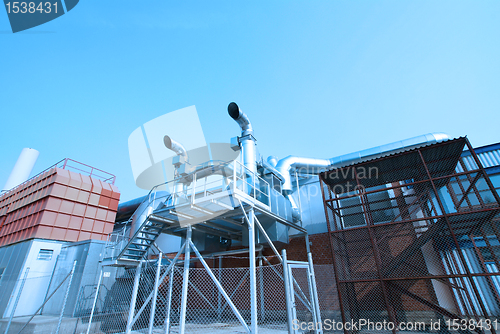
x: 217, y: 328
x: 43, y: 324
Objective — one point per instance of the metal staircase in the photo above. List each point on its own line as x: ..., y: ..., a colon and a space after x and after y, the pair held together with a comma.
x: 140, y: 243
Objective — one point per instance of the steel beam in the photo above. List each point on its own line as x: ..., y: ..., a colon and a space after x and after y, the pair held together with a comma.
x: 314, y: 294
x: 334, y: 262
x: 261, y: 289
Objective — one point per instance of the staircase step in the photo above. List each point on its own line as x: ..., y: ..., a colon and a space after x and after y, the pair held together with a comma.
x: 138, y: 244
x: 135, y: 251
x: 141, y: 238
x: 134, y: 256
x: 152, y: 233
x: 154, y: 227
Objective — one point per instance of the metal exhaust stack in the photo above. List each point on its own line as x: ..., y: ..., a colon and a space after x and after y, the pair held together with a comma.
x: 175, y: 146
x: 247, y: 139
x: 179, y: 188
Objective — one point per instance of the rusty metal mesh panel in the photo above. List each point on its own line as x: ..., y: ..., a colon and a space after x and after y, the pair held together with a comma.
x: 429, y: 245
x: 401, y: 248
x: 354, y: 254
x: 414, y: 302
x: 327, y: 292
x: 364, y: 300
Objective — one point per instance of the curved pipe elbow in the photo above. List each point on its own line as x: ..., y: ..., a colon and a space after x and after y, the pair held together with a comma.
x: 307, y: 165
x: 439, y: 136
x: 241, y: 118
x: 175, y: 146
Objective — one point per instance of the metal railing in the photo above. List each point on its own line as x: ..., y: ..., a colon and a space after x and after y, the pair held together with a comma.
x: 225, y: 176
x: 77, y: 166
x: 231, y: 175
x: 86, y: 169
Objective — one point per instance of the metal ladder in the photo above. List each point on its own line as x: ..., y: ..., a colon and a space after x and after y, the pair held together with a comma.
x: 143, y: 239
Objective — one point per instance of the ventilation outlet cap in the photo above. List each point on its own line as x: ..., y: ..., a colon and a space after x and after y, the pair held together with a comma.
x: 233, y: 110
x: 168, y: 142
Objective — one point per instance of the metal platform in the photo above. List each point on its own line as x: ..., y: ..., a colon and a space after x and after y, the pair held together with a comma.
x: 215, y: 203
x: 224, y: 200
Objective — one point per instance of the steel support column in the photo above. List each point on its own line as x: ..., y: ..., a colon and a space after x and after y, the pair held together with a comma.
x: 261, y: 289
x: 134, y: 298
x: 219, y: 296
x: 155, y: 294
x: 288, y: 293
x: 334, y: 262
x: 253, y: 279
x: 185, y: 278
x: 169, y: 301
x: 314, y: 294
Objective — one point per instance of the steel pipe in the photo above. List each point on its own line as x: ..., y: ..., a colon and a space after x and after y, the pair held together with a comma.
x: 246, y: 140
x: 175, y: 146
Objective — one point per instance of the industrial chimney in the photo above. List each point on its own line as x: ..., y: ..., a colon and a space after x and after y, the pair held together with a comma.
x: 22, y: 169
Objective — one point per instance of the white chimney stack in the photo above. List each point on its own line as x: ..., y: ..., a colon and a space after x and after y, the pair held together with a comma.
x: 22, y: 170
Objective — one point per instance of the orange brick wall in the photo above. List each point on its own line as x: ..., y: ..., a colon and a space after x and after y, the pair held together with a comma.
x: 58, y: 205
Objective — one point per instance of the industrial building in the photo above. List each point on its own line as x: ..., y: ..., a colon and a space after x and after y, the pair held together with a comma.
x: 404, y: 233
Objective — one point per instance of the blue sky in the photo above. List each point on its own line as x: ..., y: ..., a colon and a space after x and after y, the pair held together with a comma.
x: 317, y: 78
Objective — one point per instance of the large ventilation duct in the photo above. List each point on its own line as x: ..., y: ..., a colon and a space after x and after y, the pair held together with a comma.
x: 308, y: 165
x: 145, y: 209
x: 126, y: 210
x: 22, y: 169
x: 271, y: 168
x: 247, y: 139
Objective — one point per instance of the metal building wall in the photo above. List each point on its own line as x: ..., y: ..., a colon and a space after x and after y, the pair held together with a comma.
x: 87, y: 255
x: 16, y: 259
x: 311, y: 204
